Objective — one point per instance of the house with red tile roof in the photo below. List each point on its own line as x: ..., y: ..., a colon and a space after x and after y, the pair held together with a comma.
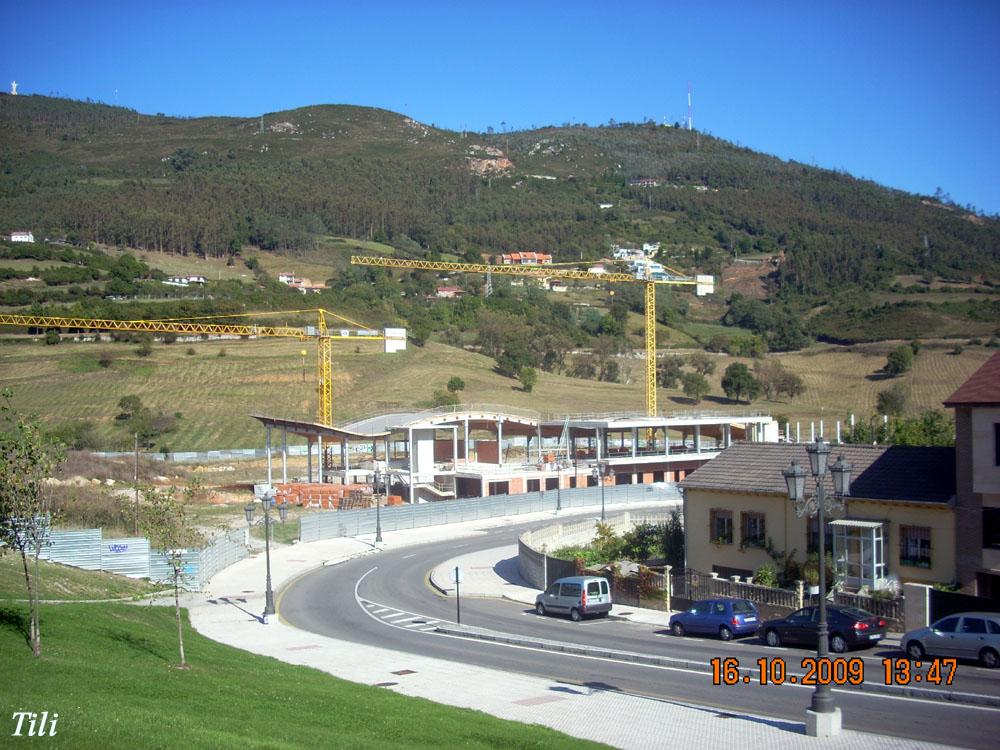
x: 977, y: 461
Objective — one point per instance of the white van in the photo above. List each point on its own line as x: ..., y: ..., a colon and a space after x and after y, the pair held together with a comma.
x: 578, y: 596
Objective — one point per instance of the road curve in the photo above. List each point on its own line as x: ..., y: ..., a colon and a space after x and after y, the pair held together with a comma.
x: 386, y: 601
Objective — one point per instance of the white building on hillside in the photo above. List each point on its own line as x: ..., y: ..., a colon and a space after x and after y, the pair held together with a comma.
x: 22, y: 237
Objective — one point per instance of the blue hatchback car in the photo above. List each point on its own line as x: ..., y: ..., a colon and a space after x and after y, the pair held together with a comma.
x: 725, y: 618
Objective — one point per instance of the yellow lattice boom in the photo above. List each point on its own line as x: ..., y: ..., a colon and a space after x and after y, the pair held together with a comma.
x: 702, y: 284
x: 196, y: 326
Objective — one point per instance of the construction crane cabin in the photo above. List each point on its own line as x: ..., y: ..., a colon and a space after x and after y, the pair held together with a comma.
x: 322, y: 333
x: 702, y: 285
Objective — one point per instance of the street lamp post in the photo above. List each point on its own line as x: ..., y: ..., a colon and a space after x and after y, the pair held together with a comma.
x: 558, y: 485
x: 823, y: 718
x: 601, y: 470
x: 378, y: 508
x: 267, y: 501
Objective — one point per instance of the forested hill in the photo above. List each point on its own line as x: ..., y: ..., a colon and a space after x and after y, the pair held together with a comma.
x: 215, y: 185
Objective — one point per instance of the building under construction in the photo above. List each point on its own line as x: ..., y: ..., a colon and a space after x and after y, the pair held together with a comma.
x: 470, y: 451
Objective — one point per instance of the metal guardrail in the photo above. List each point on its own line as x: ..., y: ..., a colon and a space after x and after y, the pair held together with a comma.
x: 342, y: 523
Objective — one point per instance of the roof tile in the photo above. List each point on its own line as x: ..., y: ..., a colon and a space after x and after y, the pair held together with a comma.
x: 983, y: 388
x: 906, y: 473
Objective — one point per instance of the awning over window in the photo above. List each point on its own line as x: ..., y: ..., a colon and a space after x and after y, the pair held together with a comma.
x: 857, y: 523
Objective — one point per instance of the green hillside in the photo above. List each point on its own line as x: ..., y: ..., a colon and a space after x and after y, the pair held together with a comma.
x: 800, y: 254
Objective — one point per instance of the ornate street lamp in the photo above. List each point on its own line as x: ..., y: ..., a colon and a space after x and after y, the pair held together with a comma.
x: 267, y: 501
x: 823, y: 718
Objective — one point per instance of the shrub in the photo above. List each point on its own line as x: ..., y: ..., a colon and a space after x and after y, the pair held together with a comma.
x: 52, y: 337
x: 900, y: 360
x: 190, y: 351
x: 145, y: 346
x: 766, y: 575
x: 444, y: 398
x: 106, y: 359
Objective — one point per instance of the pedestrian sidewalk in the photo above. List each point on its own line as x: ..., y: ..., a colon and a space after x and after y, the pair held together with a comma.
x: 229, y: 612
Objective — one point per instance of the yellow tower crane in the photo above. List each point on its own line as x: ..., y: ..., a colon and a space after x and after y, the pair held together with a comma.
x: 703, y: 285
x: 394, y: 338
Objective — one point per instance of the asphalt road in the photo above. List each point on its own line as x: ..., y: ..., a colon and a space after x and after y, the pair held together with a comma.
x: 386, y: 601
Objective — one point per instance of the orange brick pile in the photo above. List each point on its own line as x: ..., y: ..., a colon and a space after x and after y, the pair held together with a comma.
x: 311, y: 495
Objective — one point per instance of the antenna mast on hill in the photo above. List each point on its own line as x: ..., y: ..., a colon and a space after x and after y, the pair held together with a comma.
x: 690, y: 118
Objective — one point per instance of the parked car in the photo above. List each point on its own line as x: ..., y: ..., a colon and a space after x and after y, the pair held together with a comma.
x: 725, y: 618
x: 849, y: 627
x: 966, y: 635
x: 578, y: 596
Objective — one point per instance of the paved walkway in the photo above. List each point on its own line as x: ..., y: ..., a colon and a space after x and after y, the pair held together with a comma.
x: 229, y: 612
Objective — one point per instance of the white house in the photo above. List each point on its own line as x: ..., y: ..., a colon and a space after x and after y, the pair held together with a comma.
x: 185, y: 280
x: 287, y: 278
x: 22, y: 237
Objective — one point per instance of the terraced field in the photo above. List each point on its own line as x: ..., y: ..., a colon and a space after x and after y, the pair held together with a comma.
x: 215, y: 394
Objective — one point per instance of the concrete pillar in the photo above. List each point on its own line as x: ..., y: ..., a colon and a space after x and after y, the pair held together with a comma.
x: 666, y: 441
x: 812, y: 431
x: 635, y: 442
x: 821, y: 431
x: 409, y: 455
x: 454, y: 447
x: 540, y: 456
x: 466, y: 439
x: 600, y: 441
x: 309, y: 461
x: 917, y: 612
x: 838, y: 430
x: 319, y: 454
x: 499, y: 441
x: 270, y: 481
x: 347, y: 458
x: 798, y: 433
x: 284, y: 456
x: 697, y: 438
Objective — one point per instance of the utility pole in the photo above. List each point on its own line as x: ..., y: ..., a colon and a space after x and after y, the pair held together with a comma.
x: 135, y: 483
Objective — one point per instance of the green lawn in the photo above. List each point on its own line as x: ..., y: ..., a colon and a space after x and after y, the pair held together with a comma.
x: 64, y: 582
x: 107, y: 670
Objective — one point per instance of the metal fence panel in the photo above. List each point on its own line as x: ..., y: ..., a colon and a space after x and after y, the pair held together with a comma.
x: 128, y: 556
x: 160, y: 570
x: 80, y: 548
x: 222, y: 552
x: 338, y: 523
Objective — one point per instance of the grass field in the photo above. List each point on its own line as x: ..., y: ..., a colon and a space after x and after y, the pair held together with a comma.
x: 215, y: 395
x: 107, y: 671
x: 61, y: 582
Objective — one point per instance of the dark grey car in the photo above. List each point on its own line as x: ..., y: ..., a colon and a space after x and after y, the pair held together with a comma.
x: 966, y: 635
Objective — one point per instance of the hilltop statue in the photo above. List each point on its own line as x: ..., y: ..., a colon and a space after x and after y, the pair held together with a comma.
x: 13, y: 88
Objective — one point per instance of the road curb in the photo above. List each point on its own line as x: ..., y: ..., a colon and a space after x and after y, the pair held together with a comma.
x: 569, y: 648
x: 940, y: 696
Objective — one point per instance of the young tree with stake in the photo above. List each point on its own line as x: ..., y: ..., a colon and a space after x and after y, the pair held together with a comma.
x: 26, y: 459
x: 163, y: 518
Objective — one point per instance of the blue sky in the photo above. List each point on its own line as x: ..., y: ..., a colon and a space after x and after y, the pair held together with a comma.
x: 904, y: 93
